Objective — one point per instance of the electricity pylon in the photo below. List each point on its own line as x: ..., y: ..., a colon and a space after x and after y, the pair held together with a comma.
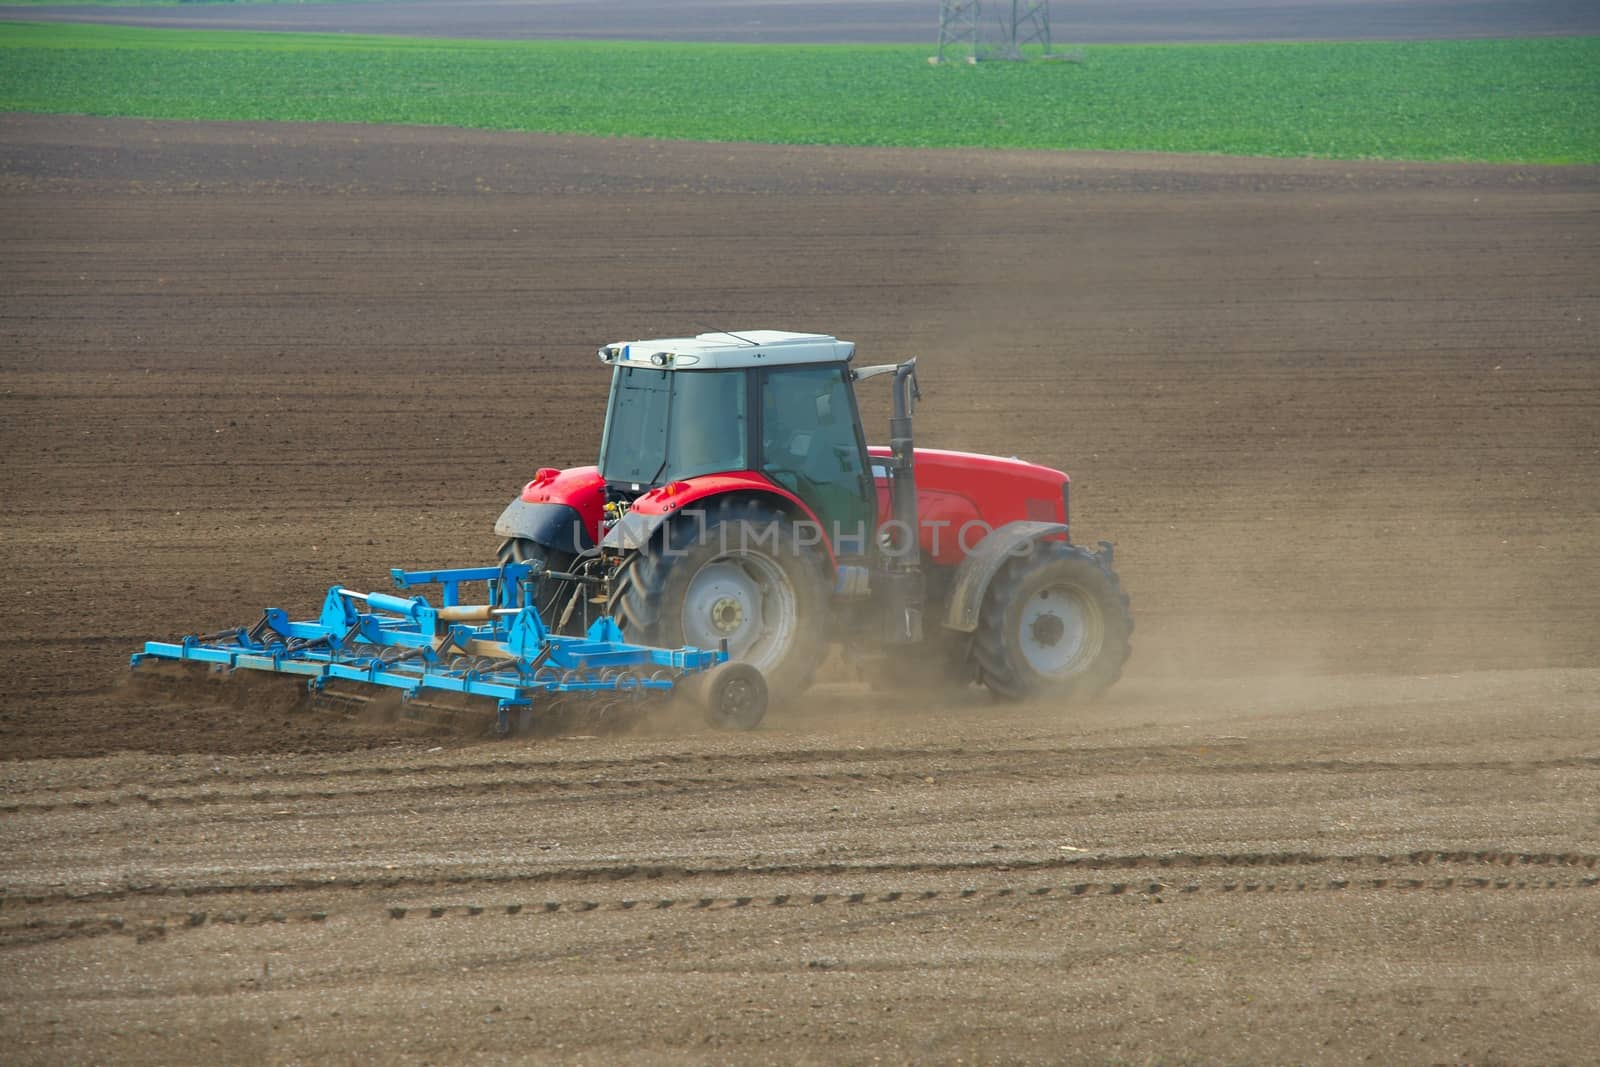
x: 1021, y: 23
x: 958, y: 30
x: 1029, y: 23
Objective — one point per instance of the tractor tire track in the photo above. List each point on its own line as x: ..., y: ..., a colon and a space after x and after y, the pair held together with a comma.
x: 670, y: 873
x: 151, y: 928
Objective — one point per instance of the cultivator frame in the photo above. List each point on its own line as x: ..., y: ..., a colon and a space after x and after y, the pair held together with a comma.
x: 499, y: 650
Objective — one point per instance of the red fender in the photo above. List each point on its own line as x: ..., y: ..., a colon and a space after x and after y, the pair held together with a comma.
x: 677, y: 496
x: 579, y: 488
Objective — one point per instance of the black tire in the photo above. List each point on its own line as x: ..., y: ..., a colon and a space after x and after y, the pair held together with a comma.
x: 552, y: 597
x: 720, y: 573
x: 1054, y: 623
x: 732, y: 695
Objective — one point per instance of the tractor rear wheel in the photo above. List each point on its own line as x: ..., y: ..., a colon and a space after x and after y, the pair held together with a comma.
x: 738, y: 572
x: 553, y: 596
x: 1054, y: 623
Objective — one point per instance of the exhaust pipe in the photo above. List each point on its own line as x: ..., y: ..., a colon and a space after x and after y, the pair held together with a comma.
x: 902, y: 581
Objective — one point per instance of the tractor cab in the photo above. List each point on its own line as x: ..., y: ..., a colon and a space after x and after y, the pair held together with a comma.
x: 771, y: 404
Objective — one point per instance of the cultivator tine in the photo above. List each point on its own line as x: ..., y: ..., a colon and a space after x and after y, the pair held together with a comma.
x: 259, y: 632
x: 396, y: 656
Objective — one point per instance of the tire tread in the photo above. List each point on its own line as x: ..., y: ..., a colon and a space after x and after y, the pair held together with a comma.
x: 989, y: 649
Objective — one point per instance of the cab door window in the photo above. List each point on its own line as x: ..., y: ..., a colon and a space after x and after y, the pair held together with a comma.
x: 811, y: 445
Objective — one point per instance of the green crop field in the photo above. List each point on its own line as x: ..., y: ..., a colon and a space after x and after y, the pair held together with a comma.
x: 1527, y: 101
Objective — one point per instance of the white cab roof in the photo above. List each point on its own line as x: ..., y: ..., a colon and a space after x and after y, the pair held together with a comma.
x: 726, y: 351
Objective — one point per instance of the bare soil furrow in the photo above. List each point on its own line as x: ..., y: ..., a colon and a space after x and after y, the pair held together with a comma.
x: 148, y: 928
x: 668, y: 873
x: 623, y: 789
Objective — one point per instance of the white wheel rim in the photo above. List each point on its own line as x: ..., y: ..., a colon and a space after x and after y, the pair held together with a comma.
x: 745, y: 600
x: 1060, y: 630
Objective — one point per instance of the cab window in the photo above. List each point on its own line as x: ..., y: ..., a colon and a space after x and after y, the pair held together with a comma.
x: 810, y: 445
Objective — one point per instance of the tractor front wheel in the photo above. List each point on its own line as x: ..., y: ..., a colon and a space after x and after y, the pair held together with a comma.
x: 738, y: 573
x: 552, y: 596
x: 1054, y: 623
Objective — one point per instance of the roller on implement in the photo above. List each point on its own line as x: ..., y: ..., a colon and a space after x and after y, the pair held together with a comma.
x: 497, y: 655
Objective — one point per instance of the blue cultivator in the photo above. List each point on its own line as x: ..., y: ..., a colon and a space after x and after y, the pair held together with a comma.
x: 498, y: 653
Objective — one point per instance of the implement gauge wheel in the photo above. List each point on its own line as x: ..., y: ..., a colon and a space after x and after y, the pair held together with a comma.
x: 734, y: 696
x: 1054, y: 623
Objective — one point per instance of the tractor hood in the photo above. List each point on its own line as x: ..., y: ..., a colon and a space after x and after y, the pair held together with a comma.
x: 975, y: 493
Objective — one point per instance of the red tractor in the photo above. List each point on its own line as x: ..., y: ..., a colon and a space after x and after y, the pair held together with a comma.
x: 737, y: 504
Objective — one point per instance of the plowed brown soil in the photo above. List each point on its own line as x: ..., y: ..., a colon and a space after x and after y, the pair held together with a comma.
x: 1342, y: 420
